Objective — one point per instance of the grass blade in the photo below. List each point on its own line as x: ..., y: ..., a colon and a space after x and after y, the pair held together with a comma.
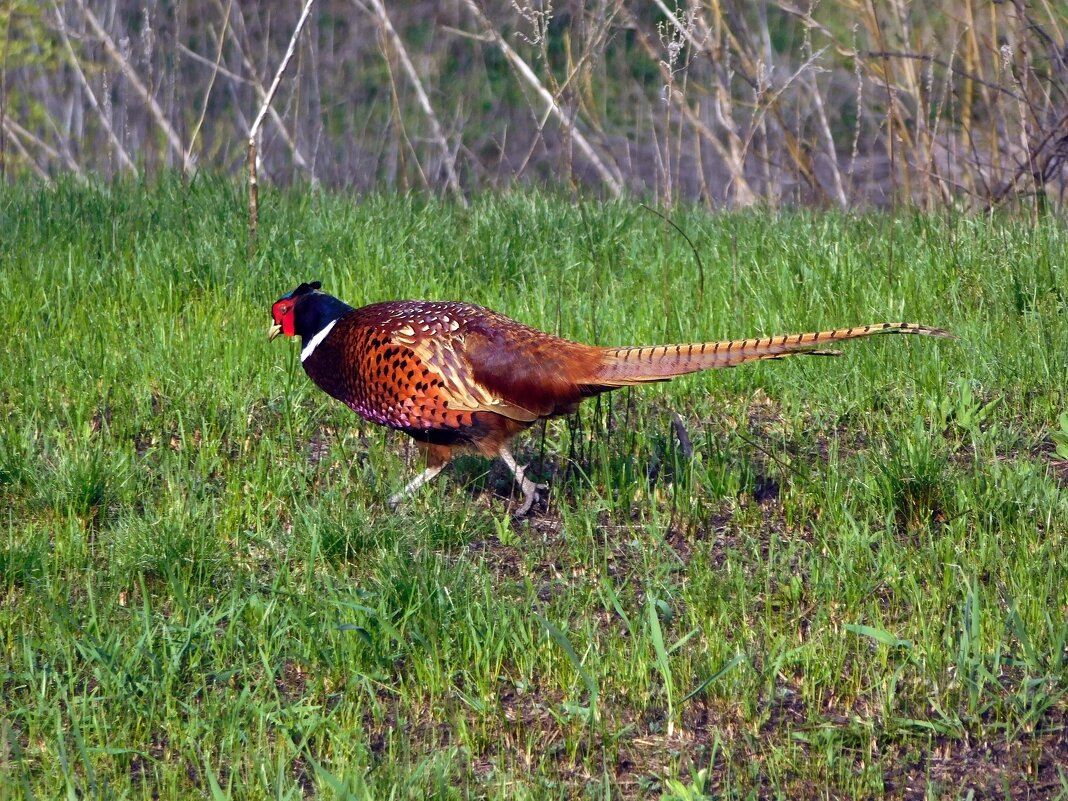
x: 662, y: 663
x: 881, y: 636
x: 565, y: 645
x: 719, y: 674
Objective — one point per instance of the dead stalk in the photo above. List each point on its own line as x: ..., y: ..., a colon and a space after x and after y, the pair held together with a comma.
x: 253, y: 187
x: 3, y: 89
x: 261, y: 92
x: 611, y: 179
x: 216, y: 65
x: 120, y: 151
x: 15, y: 130
x: 733, y: 152
x: 173, y: 140
x: 828, y: 142
x: 447, y: 157
x: 710, y: 110
x: 743, y: 193
x: 11, y: 135
x: 891, y: 124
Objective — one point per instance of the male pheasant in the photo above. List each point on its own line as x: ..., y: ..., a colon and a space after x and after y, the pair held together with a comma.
x: 459, y: 377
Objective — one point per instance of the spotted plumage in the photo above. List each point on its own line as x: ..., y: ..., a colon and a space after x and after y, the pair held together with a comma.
x: 455, y: 376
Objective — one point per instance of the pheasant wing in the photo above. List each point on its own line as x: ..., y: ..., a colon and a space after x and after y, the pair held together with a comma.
x: 453, y: 385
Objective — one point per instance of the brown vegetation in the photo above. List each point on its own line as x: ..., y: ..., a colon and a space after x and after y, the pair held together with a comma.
x: 843, y: 103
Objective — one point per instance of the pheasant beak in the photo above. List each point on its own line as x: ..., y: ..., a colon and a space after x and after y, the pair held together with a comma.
x: 274, y: 331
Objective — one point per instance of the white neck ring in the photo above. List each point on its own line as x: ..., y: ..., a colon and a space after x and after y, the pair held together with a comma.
x: 313, y: 343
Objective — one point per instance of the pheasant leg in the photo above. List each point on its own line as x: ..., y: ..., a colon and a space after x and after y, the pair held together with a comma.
x: 414, y: 484
x: 530, y: 489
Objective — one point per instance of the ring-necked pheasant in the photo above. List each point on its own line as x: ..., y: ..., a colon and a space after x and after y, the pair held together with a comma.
x: 455, y: 376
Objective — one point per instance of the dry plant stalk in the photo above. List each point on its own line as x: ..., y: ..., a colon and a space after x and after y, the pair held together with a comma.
x: 742, y: 191
x: 127, y: 69
x: 116, y: 145
x: 824, y: 125
x: 216, y: 68
x: 253, y: 188
x: 11, y: 131
x: 3, y: 90
x: 611, y: 179
x: 448, y: 159
x: 257, y: 86
x: 576, y: 71
x: 878, y: 105
x: 733, y: 151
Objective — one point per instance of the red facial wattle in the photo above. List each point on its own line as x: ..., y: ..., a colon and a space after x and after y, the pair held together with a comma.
x: 282, y: 312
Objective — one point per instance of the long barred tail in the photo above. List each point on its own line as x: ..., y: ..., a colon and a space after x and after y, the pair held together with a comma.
x: 622, y: 366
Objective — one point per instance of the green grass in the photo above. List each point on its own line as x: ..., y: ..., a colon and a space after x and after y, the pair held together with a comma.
x: 857, y: 587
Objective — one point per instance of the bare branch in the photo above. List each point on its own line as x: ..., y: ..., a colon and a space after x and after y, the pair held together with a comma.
x: 261, y: 93
x: 216, y: 67
x: 160, y: 118
x: 116, y: 145
x: 211, y: 82
x: 948, y: 65
x: 11, y: 129
x: 743, y: 193
x: 3, y: 89
x: 733, y: 153
x: 63, y: 144
x: 253, y: 185
x: 828, y: 141
x: 15, y: 129
x: 611, y: 179
x: 424, y: 101
x: 281, y: 70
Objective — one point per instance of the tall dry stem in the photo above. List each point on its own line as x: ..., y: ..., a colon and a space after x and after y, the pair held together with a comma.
x: 124, y: 65
x: 105, y: 123
x: 254, y: 130
x: 447, y: 155
x: 611, y: 178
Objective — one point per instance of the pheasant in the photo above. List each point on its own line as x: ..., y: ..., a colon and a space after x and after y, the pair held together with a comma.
x: 458, y: 377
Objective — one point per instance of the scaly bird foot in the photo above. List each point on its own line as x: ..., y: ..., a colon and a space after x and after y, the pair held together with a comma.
x: 530, y: 489
x: 530, y: 494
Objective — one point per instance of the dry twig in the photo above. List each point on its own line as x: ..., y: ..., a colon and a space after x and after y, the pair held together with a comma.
x: 447, y: 155
x: 610, y: 178
x: 127, y: 69
x: 253, y: 187
x: 216, y: 67
x: 261, y: 92
x: 120, y: 151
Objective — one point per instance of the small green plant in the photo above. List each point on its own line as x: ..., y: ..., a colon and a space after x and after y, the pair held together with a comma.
x: 506, y: 535
x: 588, y: 712
x: 912, y: 477
x: 653, y: 607
x: 14, y: 460
x: 677, y: 790
x: 1060, y: 437
x: 86, y: 483
x: 962, y: 409
x: 21, y: 565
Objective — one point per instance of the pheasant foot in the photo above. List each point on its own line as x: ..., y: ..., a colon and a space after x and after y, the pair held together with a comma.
x: 530, y: 489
